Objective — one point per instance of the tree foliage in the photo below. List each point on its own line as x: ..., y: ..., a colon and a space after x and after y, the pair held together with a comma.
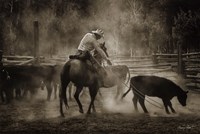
x: 145, y: 25
x: 187, y: 23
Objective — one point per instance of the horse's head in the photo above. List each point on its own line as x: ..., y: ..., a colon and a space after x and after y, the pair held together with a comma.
x: 182, y: 98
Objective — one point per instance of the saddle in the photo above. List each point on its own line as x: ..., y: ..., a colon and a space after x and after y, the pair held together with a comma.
x: 84, y: 56
x: 81, y: 55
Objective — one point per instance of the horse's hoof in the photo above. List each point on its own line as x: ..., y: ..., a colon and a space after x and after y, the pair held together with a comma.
x: 88, y: 113
x: 81, y: 111
x: 67, y: 106
x: 62, y: 115
x: 174, y: 112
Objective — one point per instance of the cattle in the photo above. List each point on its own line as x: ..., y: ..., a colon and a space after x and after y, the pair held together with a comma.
x: 26, y: 79
x: 5, y: 92
x: 156, y: 87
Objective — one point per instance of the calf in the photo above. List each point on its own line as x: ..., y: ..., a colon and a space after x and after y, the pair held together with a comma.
x: 156, y: 87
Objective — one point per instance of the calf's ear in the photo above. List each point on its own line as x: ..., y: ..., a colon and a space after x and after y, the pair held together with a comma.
x: 186, y: 92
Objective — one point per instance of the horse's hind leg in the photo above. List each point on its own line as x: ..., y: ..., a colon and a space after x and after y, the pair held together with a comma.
x: 141, y: 101
x: 70, y: 90
x: 93, y: 92
x: 76, y: 96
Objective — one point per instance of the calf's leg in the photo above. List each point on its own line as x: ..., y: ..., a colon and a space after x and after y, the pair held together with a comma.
x: 170, y: 105
x: 141, y: 101
x: 165, y: 102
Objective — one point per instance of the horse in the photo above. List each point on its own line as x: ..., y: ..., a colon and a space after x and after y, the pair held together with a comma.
x: 156, y: 87
x: 84, y: 74
x: 121, y: 70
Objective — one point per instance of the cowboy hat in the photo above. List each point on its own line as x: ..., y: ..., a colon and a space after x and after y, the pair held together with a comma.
x: 99, y: 32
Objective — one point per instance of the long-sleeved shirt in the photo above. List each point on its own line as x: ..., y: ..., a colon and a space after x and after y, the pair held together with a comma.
x: 89, y: 43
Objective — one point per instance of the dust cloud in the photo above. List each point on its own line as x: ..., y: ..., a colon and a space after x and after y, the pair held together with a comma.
x: 123, y: 26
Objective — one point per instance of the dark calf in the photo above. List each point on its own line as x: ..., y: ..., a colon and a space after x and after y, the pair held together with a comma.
x: 156, y: 87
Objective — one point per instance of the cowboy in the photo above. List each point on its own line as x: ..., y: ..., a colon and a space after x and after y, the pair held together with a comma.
x: 89, y: 43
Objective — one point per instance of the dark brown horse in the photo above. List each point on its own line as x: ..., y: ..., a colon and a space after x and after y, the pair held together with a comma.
x: 157, y: 87
x: 83, y: 74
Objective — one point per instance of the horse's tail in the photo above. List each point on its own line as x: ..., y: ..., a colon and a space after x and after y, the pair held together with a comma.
x: 63, y: 85
x: 126, y: 92
x: 129, y: 75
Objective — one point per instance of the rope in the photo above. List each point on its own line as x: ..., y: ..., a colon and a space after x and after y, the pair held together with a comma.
x: 142, y: 95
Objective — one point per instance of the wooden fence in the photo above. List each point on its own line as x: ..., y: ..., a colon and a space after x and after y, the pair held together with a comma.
x: 138, y: 64
x: 190, y: 67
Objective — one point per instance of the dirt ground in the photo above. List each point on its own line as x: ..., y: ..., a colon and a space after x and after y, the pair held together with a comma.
x: 41, y: 116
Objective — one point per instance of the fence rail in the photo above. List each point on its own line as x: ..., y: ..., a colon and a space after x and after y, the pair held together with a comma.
x: 165, y: 62
x: 137, y: 65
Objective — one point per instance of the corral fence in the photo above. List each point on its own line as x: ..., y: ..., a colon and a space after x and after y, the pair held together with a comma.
x: 188, y: 66
x: 138, y: 65
x: 189, y: 69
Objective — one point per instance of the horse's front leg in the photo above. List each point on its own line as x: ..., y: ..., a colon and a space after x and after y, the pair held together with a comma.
x: 93, y: 92
x: 76, y: 96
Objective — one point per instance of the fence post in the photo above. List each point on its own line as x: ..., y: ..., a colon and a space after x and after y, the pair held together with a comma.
x: 154, y: 58
x: 131, y: 52
x: 36, y: 41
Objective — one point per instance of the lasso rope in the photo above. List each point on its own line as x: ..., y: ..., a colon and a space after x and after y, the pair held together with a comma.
x: 138, y: 92
x: 143, y: 96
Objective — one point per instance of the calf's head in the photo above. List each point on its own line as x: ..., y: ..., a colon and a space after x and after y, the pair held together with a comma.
x: 182, y: 98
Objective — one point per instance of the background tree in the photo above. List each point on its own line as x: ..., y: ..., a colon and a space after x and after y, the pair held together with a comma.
x: 145, y: 26
x: 187, y: 26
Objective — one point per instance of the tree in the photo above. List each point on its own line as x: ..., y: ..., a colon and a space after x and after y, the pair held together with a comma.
x: 187, y: 26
